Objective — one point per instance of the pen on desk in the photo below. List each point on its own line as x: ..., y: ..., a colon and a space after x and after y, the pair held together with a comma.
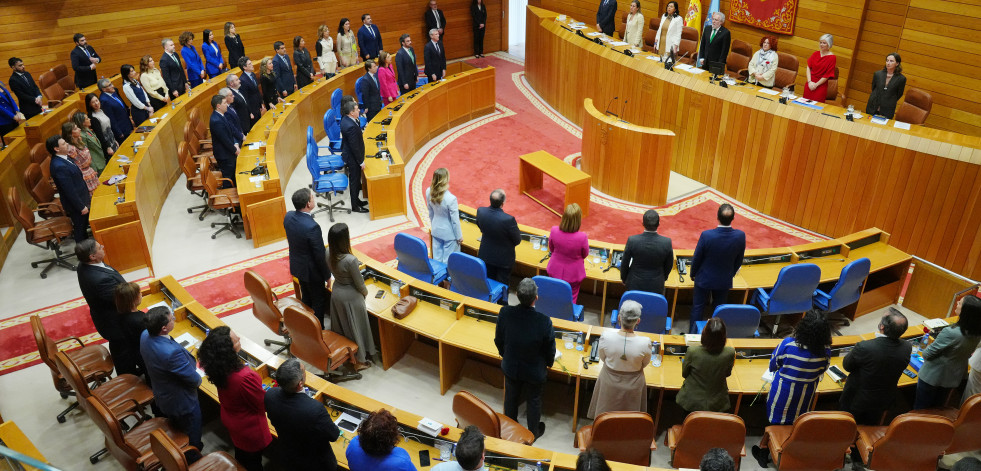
x: 764, y: 98
x: 833, y: 116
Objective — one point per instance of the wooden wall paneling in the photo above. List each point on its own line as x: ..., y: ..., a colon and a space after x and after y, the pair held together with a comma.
x: 952, y: 204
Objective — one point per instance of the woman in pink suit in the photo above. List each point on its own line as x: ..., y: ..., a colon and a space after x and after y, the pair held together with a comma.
x: 569, y: 248
x: 386, y: 78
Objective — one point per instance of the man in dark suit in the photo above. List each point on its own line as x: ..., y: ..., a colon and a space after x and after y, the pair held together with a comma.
x: 352, y: 150
x: 116, y: 109
x: 715, y: 41
x: 283, y: 68
x: 647, y: 258
x: 405, y: 65
x: 234, y: 121
x: 499, y: 235
x: 98, y: 282
x: 84, y: 60
x: 223, y: 139
x: 67, y: 176
x: 173, y: 375
x: 304, y: 427
x: 874, y: 368
x: 525, y: 340
x: 10, y: 115
x: 606, y: 16
x: 435, y: 57
x: 435, y: 19
x: 308, y: 257
x: 239, y: 103
x: 172, y: 70
x: 369, y: 38
x: 718, y: 256
x: 370, y: 92
x: 23, y: 85
x: 250, y: 90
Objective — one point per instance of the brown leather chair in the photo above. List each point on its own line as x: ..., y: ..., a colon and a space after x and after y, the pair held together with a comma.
x: 172, y: 457
x: 703, y: 431
x: 687, y: 32
x: 627, y: 437
x: 967, y: 425
x: 621, y: 27
x: 269, y: 309
x: 125, y: 395
x: 323, y: 349
x: 832, y: 93
x: 916, y: 106
x: 650, y: 36
x: 737, y: 62
x: 131, y: 449
x: 816, y: 440
x: 686, y: 51
x: 39, y: 153
x: 200, y: 127
x: 193, y: 179
x: 472, y: 411
x: 66, y: 81
x: 911, y: 442
x: 51, y: 89
x: 93, y: 361
x: 48, y: 205
x: 223, y: 200
x: 190, y: 134
x: 786, y: 74
x: 194, y: 148
x: 47, y: 234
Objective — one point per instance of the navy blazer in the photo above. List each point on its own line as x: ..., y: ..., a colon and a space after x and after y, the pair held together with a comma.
x: 25, y: 88
x: 304, y: 428
x: 173, y: 374
x: 115, y: 108
x: 525, y: 340
x: 242, y: 110
x: 222, y: 138
x: 647, y: 260
x: 714, y: 50
x: 283, y: 68
x: 368, y: 43
x: 606, y: 16
x: 371, y: 95
x: 718, y: 256
x: 235, y: 123
x: 250, y: 88
x: 406, y: 69
x: 85, y: 75
x: 71, y: 185
x: 308, y: 256
x: 98, y: 287
x: 352, y: 142
x: 435, y: 60
x: 172, y: 72
x: 499, y: 235
x: 8, y: 107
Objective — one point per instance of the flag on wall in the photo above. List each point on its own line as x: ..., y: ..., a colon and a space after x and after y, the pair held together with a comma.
x: 772, y: 15
x: 694, y: 16
x: 714, y: 7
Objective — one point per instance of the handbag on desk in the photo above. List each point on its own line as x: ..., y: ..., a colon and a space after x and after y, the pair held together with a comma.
x: 404, y: 307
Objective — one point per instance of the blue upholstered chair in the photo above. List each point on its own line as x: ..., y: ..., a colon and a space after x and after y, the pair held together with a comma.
x: 335, y: 104
x: 555, y: 299
x: 422, y: 81
x: 332, y: 128
x: 653, y: 312
x: 468, y: 276
x: 742, y: 320
x: 328, y: 185
x: 328, y: 163
x: 792, y: 292
x: 413, y: 258
x: 848, y: 289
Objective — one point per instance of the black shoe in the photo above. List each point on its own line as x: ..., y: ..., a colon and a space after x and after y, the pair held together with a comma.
x: 541, y: 430
x: 761, y: 455
x: 360, y: 209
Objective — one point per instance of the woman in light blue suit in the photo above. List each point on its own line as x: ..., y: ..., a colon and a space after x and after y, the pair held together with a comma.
x: 444, y: 216
x: 214, y: 64
x: 945, y: 360
x: 192, y: 60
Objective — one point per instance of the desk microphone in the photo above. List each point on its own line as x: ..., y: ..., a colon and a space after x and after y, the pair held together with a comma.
x: 611, y: 104
x: 622, y: 106
x: 545, y: 257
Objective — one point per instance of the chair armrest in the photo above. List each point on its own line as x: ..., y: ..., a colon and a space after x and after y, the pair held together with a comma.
x: 763, y: 297
x: 53, y: 103
x: 80, y: 342
x: 224, y: 198
x: 39, y: 230
x: 51, y: 206
x: 743, y: 72
x: 654, y: 444
x: 70, y: 92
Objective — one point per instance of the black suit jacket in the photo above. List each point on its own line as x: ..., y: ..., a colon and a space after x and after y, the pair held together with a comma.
x: 431, y: 21
x: 235, y: 50
x: 222, y: 140
x: 499, y: 235
x: 71, y: 186
x: 98, y: 287
x: 243, y: 110
x: 882, y: 101
x: 408, y: 72
x: 371, y: 95
x: 606, y: 16
x: 352, y: 143
x: 235, y: 123
x: 285, y: 81
x: 250, y: 88
x: 435, y: 61
x: 525, y: 340
x: 716, y: 50
x: 84, y: 74
x: 718, y: 256
x: 874, y: 367
x: 115, y: 108
x: 308, y: 257
x: 26, y: 89
x: 304, y: 428
x: 173, y: 73
x: 647, y: 260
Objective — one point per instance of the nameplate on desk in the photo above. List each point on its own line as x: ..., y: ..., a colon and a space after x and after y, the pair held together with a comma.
x: 480, y: 314
x: 468, y: 217
x: 782, y: 258
x: 818, y: 253
x: 857, y: 244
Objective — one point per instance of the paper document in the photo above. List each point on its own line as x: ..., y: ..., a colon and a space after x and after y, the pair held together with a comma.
x: 257, y: 178
x: 768, y: 91
x: 618, y: 43
x: 256, y: 145
x: 635, y: 50
x: 901, y: 125
x: 654, y: 58
x: 855, y: 115
x: 187, y: 340
x: 683, y: 67
x: 879, y: 120
x: 696, y: 71
x: 577, y: 26
x: 594, y: 33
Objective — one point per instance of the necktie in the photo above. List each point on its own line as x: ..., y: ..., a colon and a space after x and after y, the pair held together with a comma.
x: 436, y: 14
x: 86, y: 52
x: 241, y: 97
x: 712, y: 38
x: 285, y: 61
x: 372, y: 30
x: 412, y: 54
x: 437, y: 47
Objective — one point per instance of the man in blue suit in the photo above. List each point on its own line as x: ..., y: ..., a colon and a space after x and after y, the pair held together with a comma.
x: 10, y: 115
x: 250, y: 89
x: 283, y: 68
x: 223, y: 139
x: 173, y: 375
x: 352, y: 150
x: 718, y: 256
x: 84, y: 61
x: 606, y: 16
x: 116, y: 109
x: 370, y: 92
x: 67, y: 176
x: 499, y: 235
x: 369, y: 39
x: 308, y: 257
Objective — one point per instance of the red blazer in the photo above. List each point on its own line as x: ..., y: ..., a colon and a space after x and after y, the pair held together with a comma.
x: 243, y: 411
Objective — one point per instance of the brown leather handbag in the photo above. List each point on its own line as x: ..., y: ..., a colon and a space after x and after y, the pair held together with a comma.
x: 404, y: 307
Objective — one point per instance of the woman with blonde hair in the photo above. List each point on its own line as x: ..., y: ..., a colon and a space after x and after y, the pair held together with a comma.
x: 79, y: 152
x: 153, y: 83
x: 325, y: 52
x: 444, y: 216
x: 267, y: 78
x: 569, y: 247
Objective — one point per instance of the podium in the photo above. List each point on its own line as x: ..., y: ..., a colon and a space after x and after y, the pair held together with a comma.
x: 625, y: 160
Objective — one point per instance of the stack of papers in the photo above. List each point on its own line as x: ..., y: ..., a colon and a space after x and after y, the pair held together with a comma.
x: 619, y: 43
x: 654, y: 58
x: 257, y: 145
x: 578, y: 26
x: 768, y: 91
x: 683, y: 67
x: 879, y: 120
x: 901, y: 125
x: 594, y: 33
x: 696, y: 71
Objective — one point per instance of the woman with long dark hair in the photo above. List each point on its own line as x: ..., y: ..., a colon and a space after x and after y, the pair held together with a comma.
x: 140, y: 107
x: 798, y: 363
x: 233, y: 44
x: 668, y: 37
x: 348, y: 314
x: 303, y: 62
x: 101, y: 125
x: 79, y: 152
x: 214, y: 63
x: 98, y: 155
x: 888, y: 85
x: 347, y: 44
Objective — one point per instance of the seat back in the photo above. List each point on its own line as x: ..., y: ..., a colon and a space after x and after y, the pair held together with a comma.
x: 967, y: 427
x: 687, y: 32
x: 39, y: 153
x: 794, y: 289
x: 167, y: 452
x: 738, y: 58
x: 39, y: 188
x: 307, y: 339
x: 916, y: 106
x: 786, y: 73
x: 335, y: 101
x: 413, y: 257
x: 47, y: 350
x: 850, y: 282
x: 819, y: 440
x: 263, y: 302
x: 653, y: 310
x: 832, y: 91
x: 469, y: 410
x: 53, y: 92
x: 650, y: 37
x: 621, y: 26
x: 115, y: 442
x: 690, y: 47
x: 554, y: 297
x: 624, y: 437
x: 200, y: 128
x: 741, y: 320
x: 357, y: 91
x: 72, y: 375
x: 187, y: 164
x: 66, y: 82
x: 23, y: 215
x: 912, y: 442
x: 331, y: 127
x: 468, y: 275
x: 703, y: 431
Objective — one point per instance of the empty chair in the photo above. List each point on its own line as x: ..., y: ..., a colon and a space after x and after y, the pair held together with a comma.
x: 413, y: 258
x: 191, y: 134
x: 469, y: 410
x: 422, y: 81
x: 686, y: 50
x: 848, y: 288
x: 911, y: 442
x: 742, y: 320
x: 48, y: 205
x: 333, y: 161
x: 201, y: 128
x: 125, y: 395
x: 737, y: 62
x: 786, y: 74
x: 621, y: 26
x: 172, y: 457
x: 47, y: 234
x: 269, y: 309
x: 967, y: 425
x: 332, y: 127
x: 816, y: 440
x: 555, y: 299
x: 132, y: 448
x: 357, y: 93
x: 792, y: 292
x: 51, y: 89
x: 650, y: 36
x: 831, y: 94
x: 193, y: 179
x: 653, y: 314
x: 627, y: 437
x: 66, y: 81
x: 468, y: 276
x: 916, y: 106
x: 222, y: 200
x: 335, y: 103
x: 324, y: 349
x: 328, y: 185
x: 703, y: 431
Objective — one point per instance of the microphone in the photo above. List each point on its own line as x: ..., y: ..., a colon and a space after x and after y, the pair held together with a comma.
x: 545, y: 257
x: 611, y: 104
x: 622, y: 106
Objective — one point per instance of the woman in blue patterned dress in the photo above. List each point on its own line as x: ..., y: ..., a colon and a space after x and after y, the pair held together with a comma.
x: 798, y: 364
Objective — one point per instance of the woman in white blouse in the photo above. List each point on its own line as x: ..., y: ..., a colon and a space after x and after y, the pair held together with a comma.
x: 634, y: 33
x: 140, y: 108
x: 153, y: 83
x: 668, y: 36
x: 763, y: 65
x: 325, y: 52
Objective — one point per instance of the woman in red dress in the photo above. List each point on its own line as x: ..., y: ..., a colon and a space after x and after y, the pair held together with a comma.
x: 820, y: 67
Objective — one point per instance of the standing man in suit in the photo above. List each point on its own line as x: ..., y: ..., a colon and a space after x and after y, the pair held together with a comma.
x: 116, y: 109
x: 283, y: 68
x: 715, y: 41
x: 250, y: 90
x: 67, y: 176
x: 352, y: 150
x: 718, y: 256
x: 369, y: 38
x: 499, y: 235
x: 84, y: 60
x: 525, y: 340
x: 23, y: 85
x: 223, y: 139
x: 10, y: 115
x: 370, y: 91
x: 435, y: 19
x: 606, y: 16
x: 647, y: 258
x: 172, y: 70
x: 234, y: 121
x: 240, y: 103
x: 98, y: 282
x: 435, y: 57
x: 874, y: 368
x: 308, y: 257
x: 173, y: 375
x: 405, y: 65
x: 304, y: 426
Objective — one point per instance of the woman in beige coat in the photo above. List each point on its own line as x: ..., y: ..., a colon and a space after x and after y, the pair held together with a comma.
x: 621, y: 385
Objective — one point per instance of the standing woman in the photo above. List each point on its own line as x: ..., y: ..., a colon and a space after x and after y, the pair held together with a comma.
x: 98, y: 155
x: 233, y: 43
x: 621, y: 384
x: 100, y: 124
x: 267, y: 78
x: 478, y: 11
x: 762, y: 68
x: 192, y: 60
x: 444, y: 215
x: 325, y: 52
x: 705, y: 369
x: 387, y: 83
x: 798, y: 364
x: 347, y: 44
x: 348, y: 314
x: 132, y: 321
x: 240, y: 396
x: 888, y: 86
x: 945, y: 360
x: 569, y: 248
x: 668, y: 37
x: 153, y: 83
x: 820, y: 67
x: 634, y: 32
x: 304, y: 64
x: 213, y: 61
x: 79, y: 152
x: 140, y: 108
